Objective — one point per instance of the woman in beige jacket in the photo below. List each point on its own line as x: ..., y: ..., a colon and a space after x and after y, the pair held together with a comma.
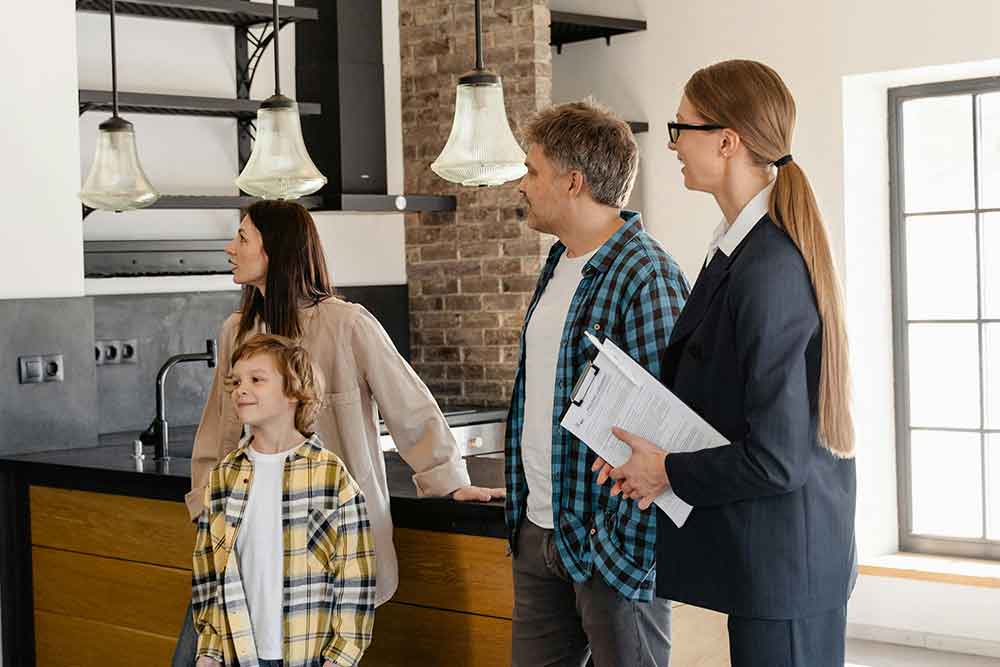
x: 277, y: 257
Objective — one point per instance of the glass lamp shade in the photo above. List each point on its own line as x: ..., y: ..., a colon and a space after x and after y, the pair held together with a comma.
x: 279, y: 166
x: 481, y: 149
x: 116, y: 181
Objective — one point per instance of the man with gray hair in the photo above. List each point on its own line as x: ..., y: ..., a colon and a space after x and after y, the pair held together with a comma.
x: 584, y: 568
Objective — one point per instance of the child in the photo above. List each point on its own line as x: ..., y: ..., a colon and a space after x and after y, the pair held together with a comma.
x: 284, y: 560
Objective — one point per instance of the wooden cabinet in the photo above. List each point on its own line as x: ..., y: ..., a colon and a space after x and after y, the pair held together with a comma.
x: 112, y: 578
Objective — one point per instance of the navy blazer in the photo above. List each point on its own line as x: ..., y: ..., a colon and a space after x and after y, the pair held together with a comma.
x: 772, y: 530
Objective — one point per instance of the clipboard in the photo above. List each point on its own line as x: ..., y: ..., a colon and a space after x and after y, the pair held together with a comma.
x: 584, y: 383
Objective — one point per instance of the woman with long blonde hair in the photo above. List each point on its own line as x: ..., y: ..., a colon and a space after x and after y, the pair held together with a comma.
x: 759, y: 351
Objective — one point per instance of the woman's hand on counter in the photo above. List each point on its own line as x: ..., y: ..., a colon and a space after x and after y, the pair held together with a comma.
x: 477, y: 494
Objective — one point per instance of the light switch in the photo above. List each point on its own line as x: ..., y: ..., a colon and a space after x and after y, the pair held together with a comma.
x: 31, y: 369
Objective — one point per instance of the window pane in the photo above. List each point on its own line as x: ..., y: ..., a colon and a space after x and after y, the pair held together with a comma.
x: 941, y: 267
x: 947, y: 483
x: 944, y: 375
x: 993, y: 486
x: 989, y: 150
x: 991, y: 374
x: 989, y: 228
x: 937, y: 154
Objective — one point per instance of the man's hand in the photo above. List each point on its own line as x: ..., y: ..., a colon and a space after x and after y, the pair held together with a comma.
x: 328, y: 663
x: 643, y: 477
x: 477, y: 494
x: 205, y: 661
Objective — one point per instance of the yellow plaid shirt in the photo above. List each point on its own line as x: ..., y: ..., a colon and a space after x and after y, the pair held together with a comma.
x: 329, y: 562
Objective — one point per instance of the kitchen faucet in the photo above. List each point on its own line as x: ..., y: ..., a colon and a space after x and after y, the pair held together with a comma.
x: 157, y: 434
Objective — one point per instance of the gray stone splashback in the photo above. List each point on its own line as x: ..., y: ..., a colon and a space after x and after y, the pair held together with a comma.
x: 168, y: 324
x: 112, y: 398
x: 164, y: 325
x: 50, y: 415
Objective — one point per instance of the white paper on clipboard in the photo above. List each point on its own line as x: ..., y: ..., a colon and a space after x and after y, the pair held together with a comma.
x: 616, y: 391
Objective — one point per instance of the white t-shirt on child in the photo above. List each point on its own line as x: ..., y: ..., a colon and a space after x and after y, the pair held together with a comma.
x: 260, y: 549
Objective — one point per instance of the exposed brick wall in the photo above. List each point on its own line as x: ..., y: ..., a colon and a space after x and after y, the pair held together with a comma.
x: 471, y: 272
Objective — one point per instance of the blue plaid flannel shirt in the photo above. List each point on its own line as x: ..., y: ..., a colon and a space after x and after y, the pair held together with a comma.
x: 632, y: 292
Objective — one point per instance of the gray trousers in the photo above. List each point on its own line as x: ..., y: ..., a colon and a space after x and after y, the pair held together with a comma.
x: 560, y: 623
x: 187, y: 643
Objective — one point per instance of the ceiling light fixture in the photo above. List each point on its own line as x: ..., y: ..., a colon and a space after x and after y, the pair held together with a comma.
x: 481, y: 149
x: 116, y: 181
x: 279, y: 166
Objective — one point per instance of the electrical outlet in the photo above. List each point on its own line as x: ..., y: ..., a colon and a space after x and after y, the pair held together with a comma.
x: 37, y: 368
x: 111, y: 351
x: 52, y: 368
x: 130, y: 351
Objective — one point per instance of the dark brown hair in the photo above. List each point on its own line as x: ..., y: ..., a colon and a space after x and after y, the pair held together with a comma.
x: 751, y: 99
x: 588, y: 138
x: 301, y: 379
x: 296, y: 269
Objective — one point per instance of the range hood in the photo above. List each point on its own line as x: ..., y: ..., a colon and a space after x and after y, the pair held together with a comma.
x: 338, y: 63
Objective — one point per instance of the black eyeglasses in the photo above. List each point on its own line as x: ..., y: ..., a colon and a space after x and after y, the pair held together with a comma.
x: 674, y: 129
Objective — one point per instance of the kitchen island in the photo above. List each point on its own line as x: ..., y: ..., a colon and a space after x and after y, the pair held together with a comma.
x: 97, y: 564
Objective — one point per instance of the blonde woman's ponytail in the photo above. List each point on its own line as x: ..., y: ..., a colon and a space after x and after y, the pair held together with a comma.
x: 793, y: 208
x: 751, y: 98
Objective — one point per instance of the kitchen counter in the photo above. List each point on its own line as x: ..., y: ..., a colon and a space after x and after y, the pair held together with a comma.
x: 97, y: 546
x: 97, y: 566
x: 110, y: 468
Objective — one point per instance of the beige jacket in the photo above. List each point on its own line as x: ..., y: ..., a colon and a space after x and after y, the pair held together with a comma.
x: 362, y: 368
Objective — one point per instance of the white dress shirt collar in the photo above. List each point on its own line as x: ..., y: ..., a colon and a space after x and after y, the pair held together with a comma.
x: 728, y: 237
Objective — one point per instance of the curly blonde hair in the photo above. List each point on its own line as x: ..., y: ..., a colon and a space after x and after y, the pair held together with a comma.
x: 303, y: 381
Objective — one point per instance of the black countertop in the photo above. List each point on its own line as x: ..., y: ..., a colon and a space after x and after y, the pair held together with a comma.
x: 108, y: 467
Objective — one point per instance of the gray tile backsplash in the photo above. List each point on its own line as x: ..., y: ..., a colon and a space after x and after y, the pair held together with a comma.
x: 50, y: 415
x: 121, y: 397
x: 164, y: 325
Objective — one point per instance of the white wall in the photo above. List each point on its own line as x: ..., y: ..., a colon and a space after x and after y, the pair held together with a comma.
x: 41, y: 242
x: 838, y: 58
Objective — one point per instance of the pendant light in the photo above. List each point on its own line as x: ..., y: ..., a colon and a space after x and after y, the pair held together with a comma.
x: 481, y: 149
x: 279, y: 166
x: 116, y: 181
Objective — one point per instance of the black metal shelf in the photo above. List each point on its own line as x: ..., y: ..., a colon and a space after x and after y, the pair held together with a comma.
x: 219, y: 202
x: 183, y: 105
x: 343, y: 202
x: 567, y: 27
x: 238, y: 13
x: 638, y: 126
x: 388, y: 203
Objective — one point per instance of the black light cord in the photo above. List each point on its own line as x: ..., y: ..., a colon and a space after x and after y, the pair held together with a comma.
x: 114, y: 65
x: 479, y: 39
x: 277, y: 70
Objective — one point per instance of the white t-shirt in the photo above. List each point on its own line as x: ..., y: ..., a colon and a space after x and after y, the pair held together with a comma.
x: 260, y: 549
x: 542, y: 342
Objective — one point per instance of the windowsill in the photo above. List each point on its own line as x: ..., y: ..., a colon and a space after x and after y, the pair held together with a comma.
x: 941, y: 569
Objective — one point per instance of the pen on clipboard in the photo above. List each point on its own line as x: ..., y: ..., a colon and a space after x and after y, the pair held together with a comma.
x: 595, y: 341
